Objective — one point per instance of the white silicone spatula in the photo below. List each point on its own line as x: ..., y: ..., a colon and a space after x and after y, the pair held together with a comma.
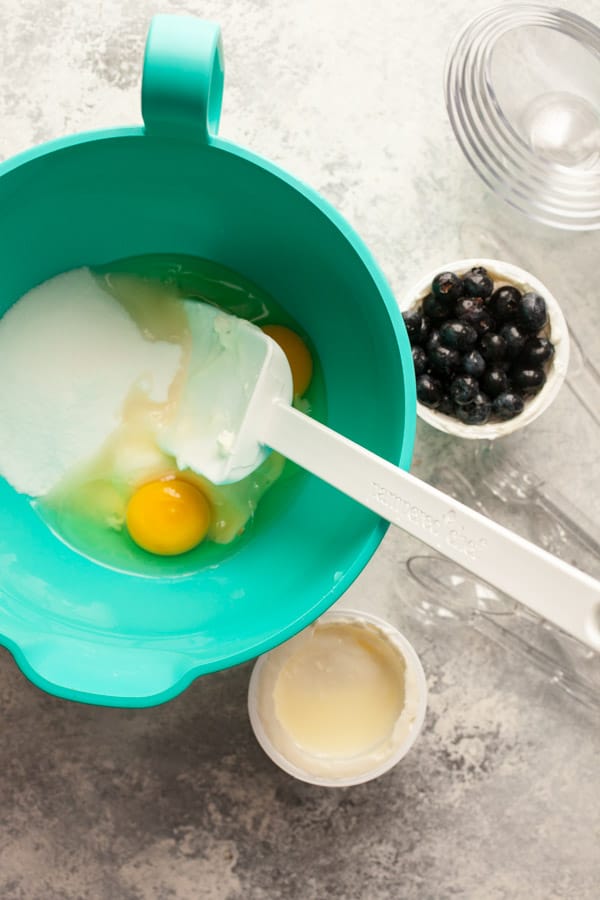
x: 265, y: 419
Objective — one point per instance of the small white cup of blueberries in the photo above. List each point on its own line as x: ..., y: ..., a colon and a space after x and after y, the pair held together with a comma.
x: 490, y: 347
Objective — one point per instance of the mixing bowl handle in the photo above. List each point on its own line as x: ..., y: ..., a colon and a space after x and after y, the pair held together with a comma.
x: 182, y: 83
x: 103, y: 674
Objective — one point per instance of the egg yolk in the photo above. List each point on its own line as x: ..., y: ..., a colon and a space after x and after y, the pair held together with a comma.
x: 168, y: 517
x: 298, y: 355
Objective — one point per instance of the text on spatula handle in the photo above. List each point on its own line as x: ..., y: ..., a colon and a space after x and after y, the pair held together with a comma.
x: 437, y: 531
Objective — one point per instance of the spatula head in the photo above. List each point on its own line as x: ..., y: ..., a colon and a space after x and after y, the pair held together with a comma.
x: 234, y: 375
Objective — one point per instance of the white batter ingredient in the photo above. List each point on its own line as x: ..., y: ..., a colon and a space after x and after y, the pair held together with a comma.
x: 69, y: 356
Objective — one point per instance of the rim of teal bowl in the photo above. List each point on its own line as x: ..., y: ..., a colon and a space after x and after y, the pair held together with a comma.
x: 407, y: 437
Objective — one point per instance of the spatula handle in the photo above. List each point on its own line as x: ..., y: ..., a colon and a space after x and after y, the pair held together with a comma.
x: 552, y: 588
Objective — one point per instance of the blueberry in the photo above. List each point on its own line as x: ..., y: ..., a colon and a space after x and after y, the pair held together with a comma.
x: 536, y: 352
x: 494, y: 382
x: 429, y: 391
x: 447, y: 286
x: 433, y: 339
x: 532, y: 314
x: 507, y: 405
x: 412, y: 321
x: 446, y: 405
x: 485, y: 324
x: 463, y: 389
x: 473, y: 363
x: 504, y: 303
x: 423, y: 331
x: 492, y: 347
x: 527, y: 380
x: 477, y: 412
x: 436, y: 308
x: 466, y: 306
x: 457, y: 335
x: 477, y: 282
x: 514, y: 340
x: 444, y: 359
x: 472, y: 311
x: 419, y: 360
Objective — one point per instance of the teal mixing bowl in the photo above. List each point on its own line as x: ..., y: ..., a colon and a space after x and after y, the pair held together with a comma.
x: 84, y: 631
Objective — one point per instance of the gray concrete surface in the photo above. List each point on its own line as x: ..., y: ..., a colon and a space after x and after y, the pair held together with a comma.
x: 500, y: 798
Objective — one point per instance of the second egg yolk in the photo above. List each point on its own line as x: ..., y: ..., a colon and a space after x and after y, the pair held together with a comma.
x: 168, y: 517
x: 298, y: 355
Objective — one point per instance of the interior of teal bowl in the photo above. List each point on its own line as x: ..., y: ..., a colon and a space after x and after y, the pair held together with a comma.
x: 84, y: 631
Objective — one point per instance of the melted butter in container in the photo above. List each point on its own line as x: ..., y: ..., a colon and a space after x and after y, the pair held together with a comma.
x: 340, y: 703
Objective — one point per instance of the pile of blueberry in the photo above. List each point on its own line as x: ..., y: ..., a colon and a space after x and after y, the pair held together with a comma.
x: 479, y: 351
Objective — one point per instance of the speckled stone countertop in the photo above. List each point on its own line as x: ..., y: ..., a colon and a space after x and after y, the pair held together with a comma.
x: 500, y: 797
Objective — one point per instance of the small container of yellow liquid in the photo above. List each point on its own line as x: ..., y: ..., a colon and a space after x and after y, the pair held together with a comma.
x: 340, y: 703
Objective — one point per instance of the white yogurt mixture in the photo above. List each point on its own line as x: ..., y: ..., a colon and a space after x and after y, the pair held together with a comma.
x: 69, y: 356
